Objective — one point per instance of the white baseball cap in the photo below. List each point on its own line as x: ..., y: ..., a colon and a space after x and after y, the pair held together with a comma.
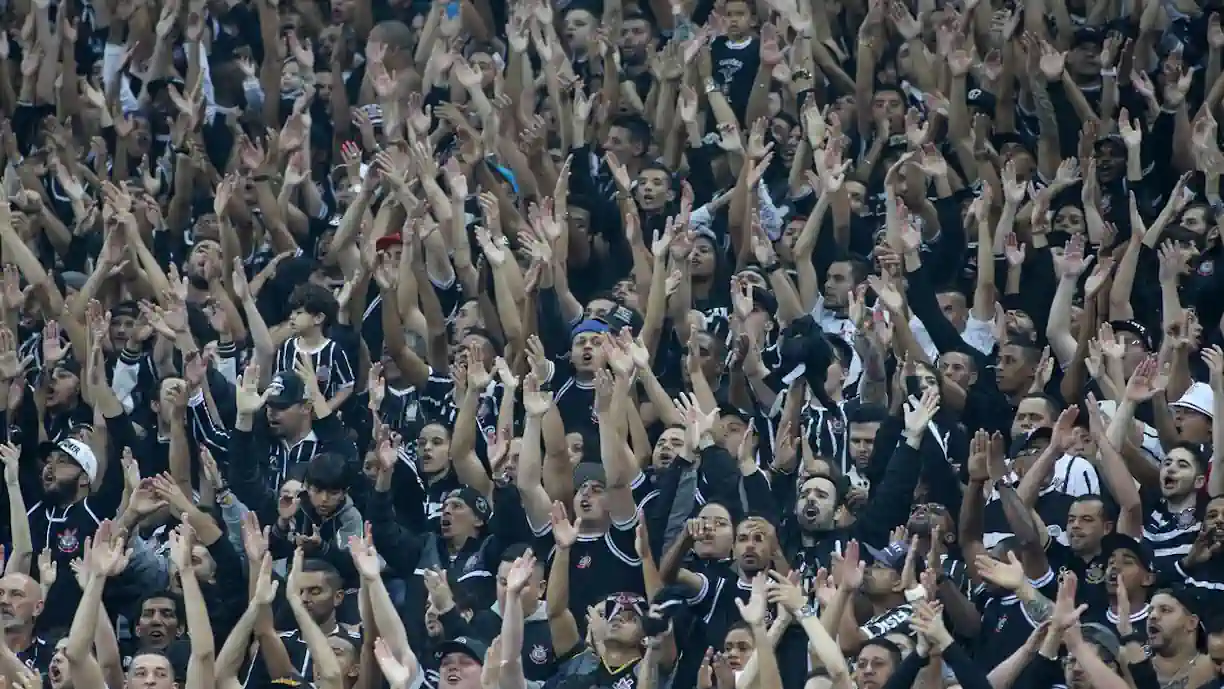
x: 81, y: 454
x: 1200, y: 398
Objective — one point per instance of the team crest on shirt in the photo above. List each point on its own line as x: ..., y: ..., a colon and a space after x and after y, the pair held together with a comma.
x: 1095, y: 573
x: 1185, y: 519
x: 1001, y: 623
x: 471, y: 564
x: 836, y: 425
x: 68, y: 541
x: 323, y: 373
x: 584, y: 562
x: 538, y: 655
x: 1206, y: 267
x: 1058, y: 484
x: 625, y: 682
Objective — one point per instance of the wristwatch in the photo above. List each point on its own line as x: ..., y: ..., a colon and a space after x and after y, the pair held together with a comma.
x: 805, y: 612
x: 710, y: 85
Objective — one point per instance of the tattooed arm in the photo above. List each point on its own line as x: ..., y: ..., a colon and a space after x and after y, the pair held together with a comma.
x: 1037, y: 608
x: 1048, y: 144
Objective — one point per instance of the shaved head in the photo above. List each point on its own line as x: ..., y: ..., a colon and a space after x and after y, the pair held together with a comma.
x: 20, y: 600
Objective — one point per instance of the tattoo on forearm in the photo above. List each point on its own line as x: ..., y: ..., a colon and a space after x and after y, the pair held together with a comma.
x: 1039, y: 609
x: 1046, y: 116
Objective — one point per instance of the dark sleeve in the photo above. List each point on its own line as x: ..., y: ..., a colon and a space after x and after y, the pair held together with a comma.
x: 231, y: 589
x: 245, y: 475
x: 721, y: 474
x: 509, y: 518
x: 554, y: 330
x: 110, y: 491
x: 701, y: 175
x: 889, y: 504
x: 1144, y: 675
x: 453, y: 624
x: 921, y: 295
x: 907, y: 673
x: 27, y: 121
x: 399, y: 547
x: 1040, y: 284
x: 947, y: 255
x: 760, y: 497
x: 968, y: 674
x: 1040, y: 673
x: 656, y: 506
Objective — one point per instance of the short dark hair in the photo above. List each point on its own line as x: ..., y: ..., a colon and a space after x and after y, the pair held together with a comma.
x: 859, y: 268
x: 315, y: 300
x: 180, y: 608
x: 1052, y: 404
x: 328, y: 471
x: 639, y: 128
x: 1201, y: 461
x: 894, y: 651
x: 1106, y: 505
x: 331, y: 575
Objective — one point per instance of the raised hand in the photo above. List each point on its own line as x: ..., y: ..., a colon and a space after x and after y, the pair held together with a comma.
x: 565, y: 534
x: 1006, y: 575
x: 365, y: 557
x: 753, y: 612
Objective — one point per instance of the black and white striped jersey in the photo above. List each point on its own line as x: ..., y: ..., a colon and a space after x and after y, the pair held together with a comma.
x: 1170, y: 534
x: 331, y: 363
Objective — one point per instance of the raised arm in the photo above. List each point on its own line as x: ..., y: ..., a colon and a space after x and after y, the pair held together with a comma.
x: 561, y: 622
x: 530, y: 475
x: 201, y: 669
x: 229, y: 660
x: 23, y: 544
x: 326, y: 665
x: 386, y: 618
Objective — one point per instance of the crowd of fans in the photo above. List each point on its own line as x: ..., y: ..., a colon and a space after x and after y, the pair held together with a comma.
x: 769, y: 344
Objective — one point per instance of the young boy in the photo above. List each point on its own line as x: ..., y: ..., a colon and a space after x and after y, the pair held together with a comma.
x: 312, y: 313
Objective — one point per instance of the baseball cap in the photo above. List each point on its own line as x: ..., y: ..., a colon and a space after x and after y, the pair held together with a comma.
x: 624, y: 317
x: 469, y: 646
x: 1118, y: 541
x: 982, y: 100
x: 892, y: 557
x: 589, y: 471
x: 80, y: 453
x: 475, y: 501
x: 387, y: 241
x: 1103, y: 637
x: 286, y: 390
x: 1028, y: 441
x: 1200, y: 398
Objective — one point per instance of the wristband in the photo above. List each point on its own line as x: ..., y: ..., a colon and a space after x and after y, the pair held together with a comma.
x: 772, y: 267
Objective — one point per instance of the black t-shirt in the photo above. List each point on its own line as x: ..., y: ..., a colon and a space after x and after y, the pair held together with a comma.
x: 1091, y: 573
x: 735, y: 69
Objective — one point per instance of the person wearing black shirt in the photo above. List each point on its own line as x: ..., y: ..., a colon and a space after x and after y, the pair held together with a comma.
x: 1132, y: 569
x: 1172, y: 632
x: 1087, y: 525
x: 321, y: 592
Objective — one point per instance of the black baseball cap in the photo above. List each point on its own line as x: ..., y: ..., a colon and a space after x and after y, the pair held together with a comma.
x: 1135, y: 328
x: 1118, y: 541
x: 286, y: 390
x: 469, y: 646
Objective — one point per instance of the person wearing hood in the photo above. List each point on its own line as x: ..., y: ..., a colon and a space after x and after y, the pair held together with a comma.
x: 325, y: 519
